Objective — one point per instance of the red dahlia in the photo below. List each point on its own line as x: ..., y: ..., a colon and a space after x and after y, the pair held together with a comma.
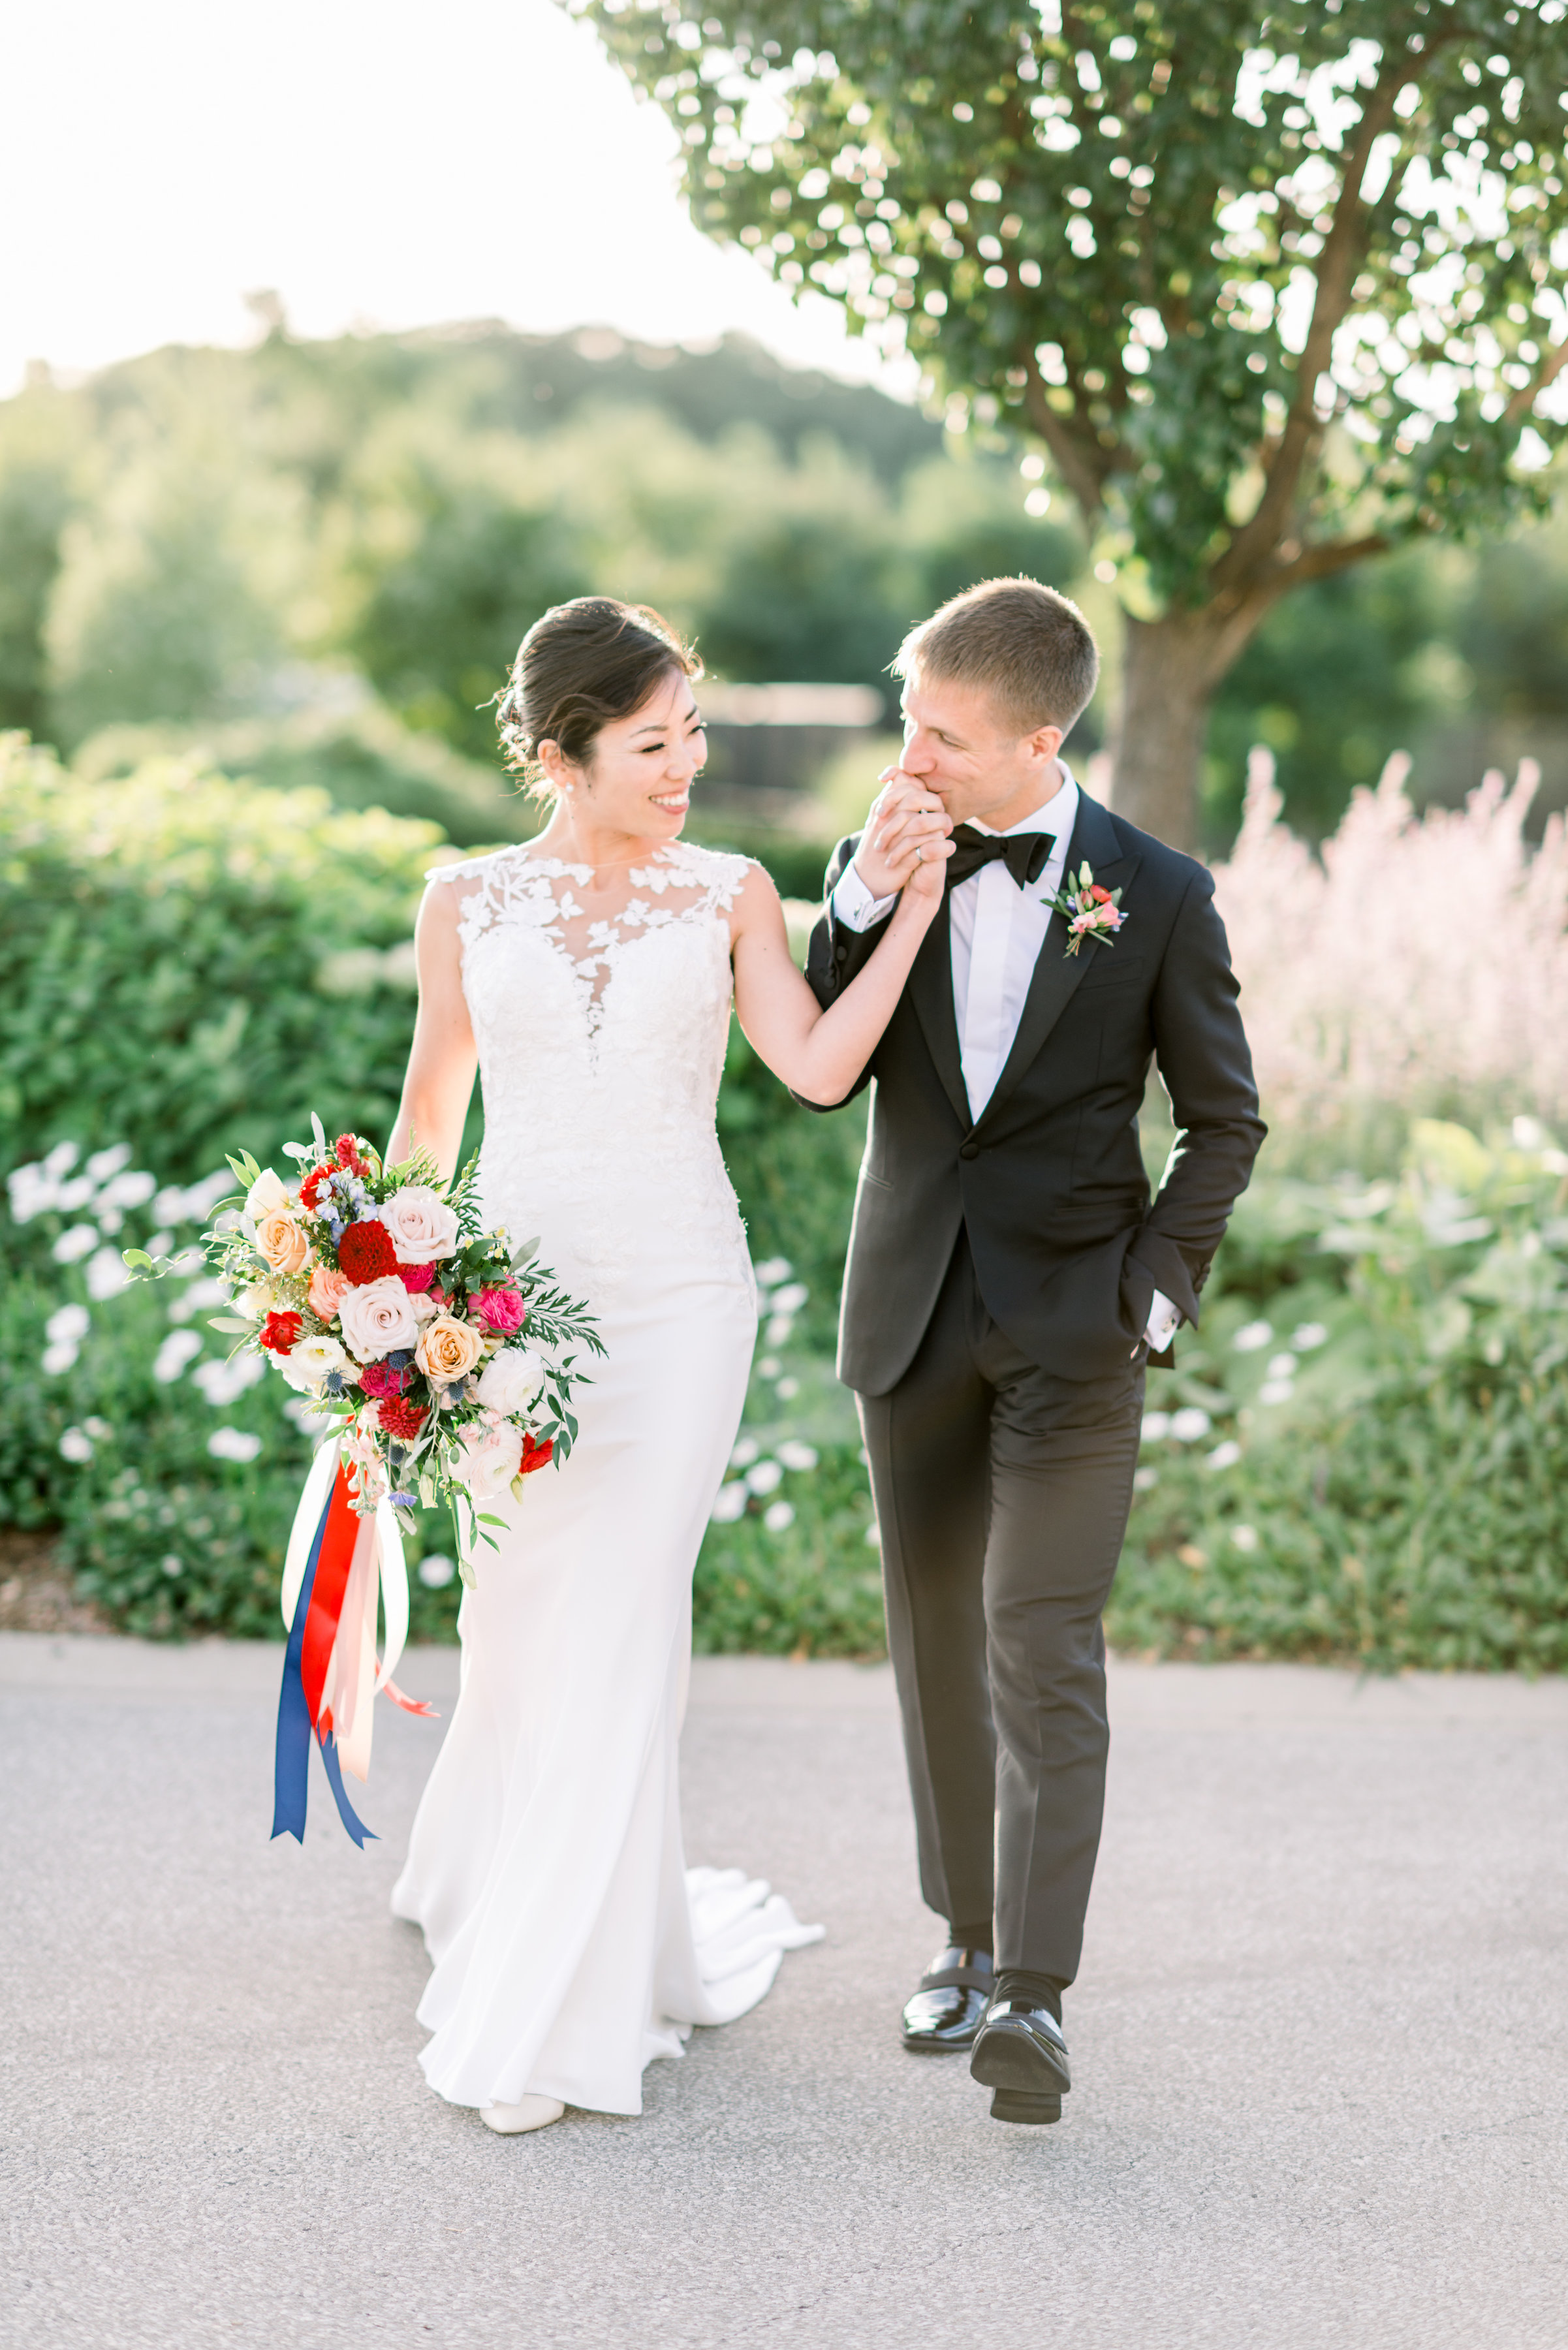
x: 400, y: 1417
x: 280, y: 1333
x: 365, y: 1252
x: 535, y: 1456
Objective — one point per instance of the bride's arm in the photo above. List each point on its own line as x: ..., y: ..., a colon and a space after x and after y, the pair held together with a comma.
x: 820, y: 1054
x: 441, y: 1059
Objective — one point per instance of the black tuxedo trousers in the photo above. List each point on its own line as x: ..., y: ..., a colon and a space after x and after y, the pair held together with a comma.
x: 998, y: 1284
x: 1001, y: 1493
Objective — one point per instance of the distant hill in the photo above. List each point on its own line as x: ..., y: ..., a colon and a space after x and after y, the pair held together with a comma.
x: 202, y: 536
x: 503, y: 379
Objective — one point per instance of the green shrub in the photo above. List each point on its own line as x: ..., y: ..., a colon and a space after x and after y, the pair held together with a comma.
x: 189, y: 964
x: 1375, y: 1461
x: 809, y: 1587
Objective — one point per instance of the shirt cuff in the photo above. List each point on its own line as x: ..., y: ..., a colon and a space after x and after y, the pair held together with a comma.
x: 853, y: 904
x: 1164, y: 1319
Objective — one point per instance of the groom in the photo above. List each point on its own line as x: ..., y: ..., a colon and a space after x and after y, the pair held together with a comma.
x: 1010, y: 1277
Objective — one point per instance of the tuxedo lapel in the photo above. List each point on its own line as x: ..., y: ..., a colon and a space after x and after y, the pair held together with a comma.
x: 1056, y: 973
x: 930, y: 988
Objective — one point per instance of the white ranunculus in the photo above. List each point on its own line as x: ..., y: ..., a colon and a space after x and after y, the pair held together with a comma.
x: 311, y: 1362
x: 265, y: 1196
x: 510, y: 1381
x: 493, y: 1454
x: 378, y: 1318
x: 422, y: 1226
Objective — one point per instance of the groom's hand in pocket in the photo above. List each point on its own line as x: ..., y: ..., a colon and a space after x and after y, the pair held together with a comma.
x: 907, y: 827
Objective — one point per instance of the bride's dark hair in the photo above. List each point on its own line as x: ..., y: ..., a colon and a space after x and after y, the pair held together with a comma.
x: 579, y: 667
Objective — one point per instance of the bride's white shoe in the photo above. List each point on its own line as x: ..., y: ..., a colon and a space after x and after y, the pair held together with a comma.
x: 531, y: 2114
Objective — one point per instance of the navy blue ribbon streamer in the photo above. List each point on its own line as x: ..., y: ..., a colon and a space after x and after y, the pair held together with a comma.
x: 291, y: 1759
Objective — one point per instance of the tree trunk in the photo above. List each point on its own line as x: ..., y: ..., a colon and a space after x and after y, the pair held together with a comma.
x: 1171, y: 668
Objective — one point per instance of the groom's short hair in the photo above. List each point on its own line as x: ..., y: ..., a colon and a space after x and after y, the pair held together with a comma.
x: 1030, y: 648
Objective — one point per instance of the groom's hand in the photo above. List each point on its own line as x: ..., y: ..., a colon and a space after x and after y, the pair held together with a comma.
x: 906, y: 817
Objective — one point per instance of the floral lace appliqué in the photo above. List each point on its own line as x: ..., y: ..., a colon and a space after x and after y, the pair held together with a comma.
x: 601, y: 1035
x: 538, y: 893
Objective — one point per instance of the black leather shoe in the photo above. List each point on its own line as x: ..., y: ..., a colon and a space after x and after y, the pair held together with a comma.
x: 1021, y: 2056
x: 950, y: 2006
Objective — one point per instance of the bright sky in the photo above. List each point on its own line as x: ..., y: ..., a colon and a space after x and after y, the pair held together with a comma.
x: 376, y: 162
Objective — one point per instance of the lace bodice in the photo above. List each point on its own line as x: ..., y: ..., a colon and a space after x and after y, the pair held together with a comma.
x: 601, y: 1029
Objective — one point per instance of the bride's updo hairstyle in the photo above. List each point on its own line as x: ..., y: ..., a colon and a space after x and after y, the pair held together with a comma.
x: 580, y: 666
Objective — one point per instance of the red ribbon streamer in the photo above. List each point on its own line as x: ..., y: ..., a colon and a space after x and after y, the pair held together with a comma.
x: 337, y: 1541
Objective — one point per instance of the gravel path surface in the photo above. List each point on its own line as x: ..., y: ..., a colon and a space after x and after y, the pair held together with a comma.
x: 1320, y: 2040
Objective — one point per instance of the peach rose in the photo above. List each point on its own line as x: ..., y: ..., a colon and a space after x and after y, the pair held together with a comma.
x: 280, y: 1243
x: 327, y: 1290
x: 447, y: 1350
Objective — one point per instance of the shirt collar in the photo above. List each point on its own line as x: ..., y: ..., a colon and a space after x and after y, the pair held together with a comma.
x: 1060, y: 812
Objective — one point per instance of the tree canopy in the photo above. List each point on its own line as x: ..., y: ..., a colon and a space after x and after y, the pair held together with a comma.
x: 1276, y: 286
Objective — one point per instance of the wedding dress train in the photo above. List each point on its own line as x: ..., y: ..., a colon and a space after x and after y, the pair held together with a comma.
x: 570, y: 1943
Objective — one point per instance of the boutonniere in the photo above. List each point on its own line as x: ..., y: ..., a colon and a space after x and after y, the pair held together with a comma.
x: 1089, y: 911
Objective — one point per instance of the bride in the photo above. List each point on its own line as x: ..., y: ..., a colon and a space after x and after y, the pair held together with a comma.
x: 590, y: 972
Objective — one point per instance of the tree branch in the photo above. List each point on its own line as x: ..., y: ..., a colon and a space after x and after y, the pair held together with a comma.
x: 1082, y: 473
x: 1343, y: 252
x: 1523, y: 401
x: 1322, y: 562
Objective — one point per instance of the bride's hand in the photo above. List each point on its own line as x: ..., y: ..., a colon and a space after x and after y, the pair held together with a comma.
x: 924, y: 878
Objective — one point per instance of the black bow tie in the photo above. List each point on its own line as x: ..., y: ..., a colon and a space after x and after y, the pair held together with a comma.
x: 1024, y: 853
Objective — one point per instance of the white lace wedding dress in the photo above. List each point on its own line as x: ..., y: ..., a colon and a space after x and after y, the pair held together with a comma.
x: 570, y: 1943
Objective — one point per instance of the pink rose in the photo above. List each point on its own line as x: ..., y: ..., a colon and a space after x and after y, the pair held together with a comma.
x: 502, y: 1309
x: 327, y: 1293
x: 416, y: 1278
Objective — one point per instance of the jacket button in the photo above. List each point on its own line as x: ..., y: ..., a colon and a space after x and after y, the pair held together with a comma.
x: 968, y: 1150
x: 841, y: 954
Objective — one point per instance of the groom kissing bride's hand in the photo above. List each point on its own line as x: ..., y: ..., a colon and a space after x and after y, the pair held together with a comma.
x: 1010, y: 1277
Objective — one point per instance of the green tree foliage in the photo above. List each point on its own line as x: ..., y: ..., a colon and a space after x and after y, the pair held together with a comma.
x: 1278, y: 287
x: 402, y: 507
x: 191, y: 537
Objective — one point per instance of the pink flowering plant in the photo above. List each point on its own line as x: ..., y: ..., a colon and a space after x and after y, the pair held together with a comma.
x: 441, y: 1354
x: 1088, y: 911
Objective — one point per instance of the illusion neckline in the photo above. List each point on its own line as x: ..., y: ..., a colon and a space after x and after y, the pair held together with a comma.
x: 550, y: 865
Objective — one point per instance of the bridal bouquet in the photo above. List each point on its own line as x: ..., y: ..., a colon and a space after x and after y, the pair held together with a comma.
x: 434, y: 1353
x: 434, y: 1347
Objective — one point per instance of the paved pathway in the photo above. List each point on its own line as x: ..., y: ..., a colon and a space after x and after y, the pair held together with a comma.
x: 1320, y: 2040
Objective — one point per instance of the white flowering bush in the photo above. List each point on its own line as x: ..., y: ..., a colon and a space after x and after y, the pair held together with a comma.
x: 171, y: 1470
x: 790, y: 1565
x: 1416, y: 967
x: 1364, y: 1452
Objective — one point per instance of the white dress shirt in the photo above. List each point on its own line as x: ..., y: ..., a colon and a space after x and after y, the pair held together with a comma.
x: 997, y: 929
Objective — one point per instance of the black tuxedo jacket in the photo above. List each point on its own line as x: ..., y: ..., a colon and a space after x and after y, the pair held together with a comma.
x: 1068, y: 1247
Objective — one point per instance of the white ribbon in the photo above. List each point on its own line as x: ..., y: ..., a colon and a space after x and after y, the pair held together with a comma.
x: 306, y: 1518
x: 394, y: 1589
